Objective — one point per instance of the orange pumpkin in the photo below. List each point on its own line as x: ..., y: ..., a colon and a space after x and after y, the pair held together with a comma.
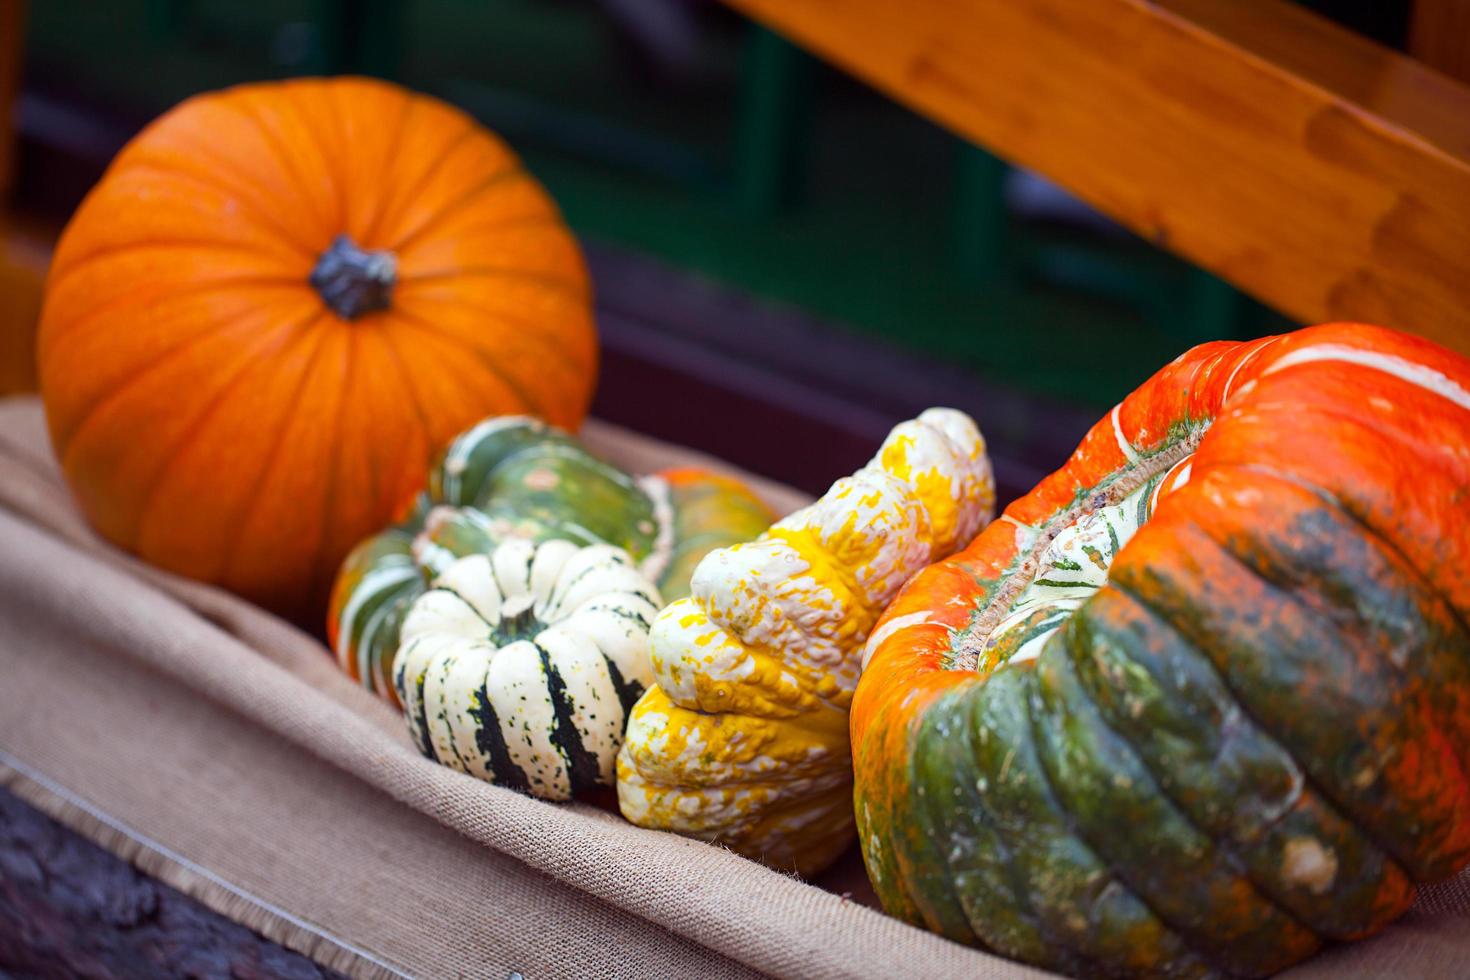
x: 278, y: 303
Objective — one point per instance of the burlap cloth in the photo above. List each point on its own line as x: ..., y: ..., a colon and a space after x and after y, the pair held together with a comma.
x: 220, y: 749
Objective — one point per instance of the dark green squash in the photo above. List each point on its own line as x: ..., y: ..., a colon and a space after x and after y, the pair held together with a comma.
x: 516, y: 477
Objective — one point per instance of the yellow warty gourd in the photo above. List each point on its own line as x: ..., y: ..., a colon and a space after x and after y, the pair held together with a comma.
x: 744, y: 739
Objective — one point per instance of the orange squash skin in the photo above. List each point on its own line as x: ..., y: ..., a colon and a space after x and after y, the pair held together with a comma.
x: 212, y: 413
x: 1255, y: 737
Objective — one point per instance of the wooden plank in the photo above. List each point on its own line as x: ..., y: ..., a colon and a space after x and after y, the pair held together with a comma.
x: 70, y: 908
x: 23, y: 258
x: 1324, y: 174
x: 1439, y: 36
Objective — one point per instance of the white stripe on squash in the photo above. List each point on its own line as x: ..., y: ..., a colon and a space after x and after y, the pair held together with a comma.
x: 390, y: 573
x: 1413, y: 372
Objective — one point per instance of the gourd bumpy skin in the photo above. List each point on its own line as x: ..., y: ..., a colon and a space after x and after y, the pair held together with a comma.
x: 744, y: 740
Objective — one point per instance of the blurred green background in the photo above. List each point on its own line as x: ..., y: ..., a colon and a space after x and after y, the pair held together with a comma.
x: 676, y: 129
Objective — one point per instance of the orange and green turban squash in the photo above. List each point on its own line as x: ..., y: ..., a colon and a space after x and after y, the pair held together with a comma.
x: 1200, y: 702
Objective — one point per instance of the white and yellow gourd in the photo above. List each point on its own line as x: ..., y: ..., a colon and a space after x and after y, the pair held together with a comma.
x: 744, y: 739
x: 519, y: 666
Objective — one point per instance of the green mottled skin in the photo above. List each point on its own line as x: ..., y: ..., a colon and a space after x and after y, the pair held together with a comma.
x: 1235, y: 782
x: 527, y: 480
x: 1114, y: 805
x: 707, y: 515
x: 561, y: 491
x: 1254, y: 738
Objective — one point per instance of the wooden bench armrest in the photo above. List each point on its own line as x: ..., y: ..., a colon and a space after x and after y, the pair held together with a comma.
x: 1324, y: 174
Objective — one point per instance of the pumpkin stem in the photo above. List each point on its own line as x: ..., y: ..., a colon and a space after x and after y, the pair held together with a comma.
x: 352, y: 281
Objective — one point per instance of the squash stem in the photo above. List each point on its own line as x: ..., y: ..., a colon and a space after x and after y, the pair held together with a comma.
x: 352, y: 281
x: 518, y: 621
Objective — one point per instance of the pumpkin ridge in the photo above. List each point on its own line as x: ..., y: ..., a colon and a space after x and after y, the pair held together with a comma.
x: 173, y: 170
x: 330, y: 149
x: 1164, y: 617
x: 334, y: 467
x: 1225, y: 847
x: 70, y: 263
x: 958, y: 928
x: 512, y: 171
x: 235, y: 184
x: 243, y: 105
x: 575, y: 289
x: 338, y: 111
x: 469, y: 373
x: 965, y: 647
x: 407, y: 378
x: 376, y: 605
x: 1377, y: 427
x: 576, y: 453
x: 1412, y: 575
x: 192, y: 434
x: 525, y: 329
x: 281, y: 155
x: 399, y: 129
x: 562, y: 587
x: 65, y: 442
x: 408, y: 192
x: 457, y: 494
x: 334, y: 149
x: 661, y: 548
x: 47, y: 339
x: 490, y: 628
x: 241, y: 525
x: 495, y: 229
x: 423, y: 323
x: 460, y: 763
x: 1329, y: 797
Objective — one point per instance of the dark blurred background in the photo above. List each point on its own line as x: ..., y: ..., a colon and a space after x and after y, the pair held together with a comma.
x: 713, y: 169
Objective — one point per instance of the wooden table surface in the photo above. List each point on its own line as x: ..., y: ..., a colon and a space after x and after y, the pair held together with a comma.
x: 70, y: 909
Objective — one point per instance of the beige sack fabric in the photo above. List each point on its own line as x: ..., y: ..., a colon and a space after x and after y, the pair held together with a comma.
x: 220, y: 749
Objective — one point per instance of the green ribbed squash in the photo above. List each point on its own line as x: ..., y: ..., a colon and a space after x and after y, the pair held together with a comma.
x: 519, y: 478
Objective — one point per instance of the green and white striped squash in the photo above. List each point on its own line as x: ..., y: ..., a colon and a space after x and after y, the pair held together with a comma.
x: 517, y: 477
x: 519, y: 666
